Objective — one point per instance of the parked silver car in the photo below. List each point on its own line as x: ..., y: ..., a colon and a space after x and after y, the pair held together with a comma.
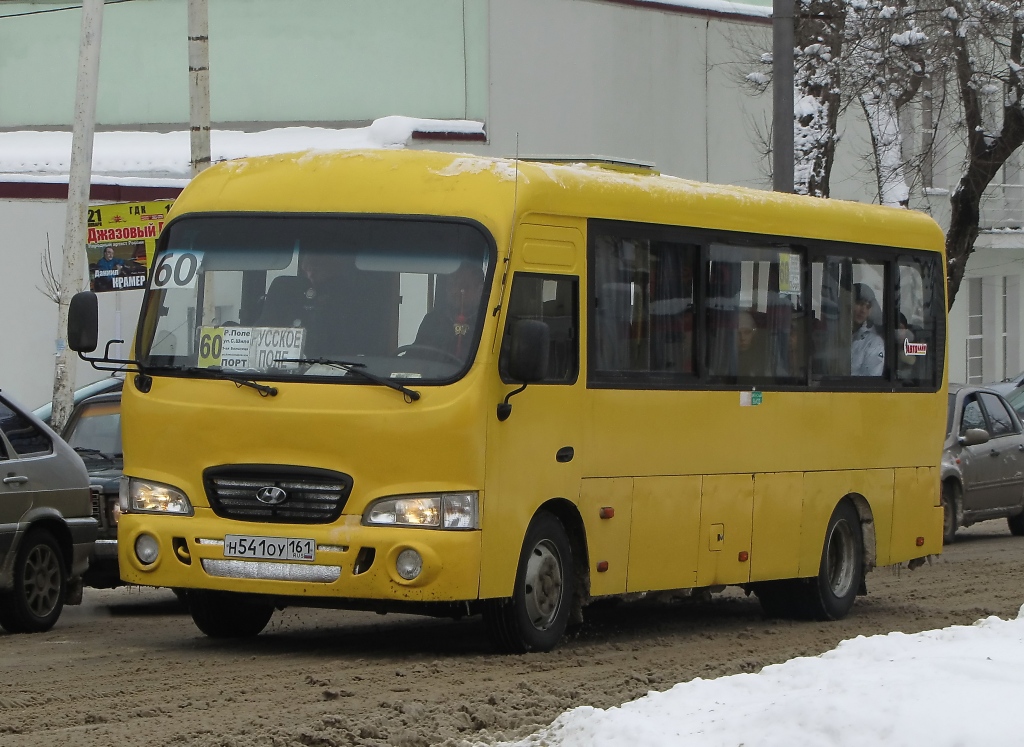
x: 47, y: 529
x: 982, y: 461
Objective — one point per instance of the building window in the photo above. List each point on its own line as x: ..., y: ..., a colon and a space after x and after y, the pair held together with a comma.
x: 974, y: 332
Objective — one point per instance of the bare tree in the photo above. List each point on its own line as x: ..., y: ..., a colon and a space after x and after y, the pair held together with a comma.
x: 886, y: 59
x: 985, y: 40
x: 51, y: 277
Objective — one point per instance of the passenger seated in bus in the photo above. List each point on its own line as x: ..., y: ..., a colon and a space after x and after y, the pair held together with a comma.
x: 448, y: 327
x: 906, y: 362
x: 867, y: 349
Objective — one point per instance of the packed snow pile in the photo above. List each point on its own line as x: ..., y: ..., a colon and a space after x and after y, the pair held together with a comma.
x: 942, y: 688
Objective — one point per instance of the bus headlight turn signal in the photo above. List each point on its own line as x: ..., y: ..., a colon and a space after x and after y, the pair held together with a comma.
x: 152, y: 497
x: 430, y: 510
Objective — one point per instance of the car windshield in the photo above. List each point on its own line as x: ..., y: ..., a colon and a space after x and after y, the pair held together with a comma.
x: 950, y: 411
x: 96, y: 432
x: 279, y: 297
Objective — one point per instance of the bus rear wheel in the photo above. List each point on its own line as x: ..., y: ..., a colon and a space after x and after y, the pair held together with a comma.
x: 536, y: 616
x: 222, y: 614
x: 830, y: 594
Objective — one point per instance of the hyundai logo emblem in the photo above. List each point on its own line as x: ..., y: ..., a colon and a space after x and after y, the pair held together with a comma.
x: 271, y: 495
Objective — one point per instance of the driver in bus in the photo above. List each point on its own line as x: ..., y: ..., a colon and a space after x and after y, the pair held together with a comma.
x: 449, y: 325
x: 314, y: 299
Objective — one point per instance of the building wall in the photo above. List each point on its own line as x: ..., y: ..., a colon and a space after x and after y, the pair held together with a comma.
x: 312, y: 61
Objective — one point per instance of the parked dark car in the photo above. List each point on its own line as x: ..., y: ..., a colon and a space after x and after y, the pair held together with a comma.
x: 94, y: 432
x: 47, y: 530
x: 982, y: 461
x: 111, y: 384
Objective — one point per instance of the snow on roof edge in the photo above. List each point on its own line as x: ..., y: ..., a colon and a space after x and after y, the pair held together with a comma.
x: 135, y: 158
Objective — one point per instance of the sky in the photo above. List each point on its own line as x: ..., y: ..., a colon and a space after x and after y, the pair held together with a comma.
x: 954, y: 687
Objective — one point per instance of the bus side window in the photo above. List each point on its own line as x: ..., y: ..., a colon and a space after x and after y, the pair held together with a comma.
x: 848, y: 304
x: 919, y: 309
x: 643, y: 308
x: 554, y: 300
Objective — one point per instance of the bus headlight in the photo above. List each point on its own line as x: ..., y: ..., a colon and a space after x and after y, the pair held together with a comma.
x: 431, y: 510
x: 153, y: 497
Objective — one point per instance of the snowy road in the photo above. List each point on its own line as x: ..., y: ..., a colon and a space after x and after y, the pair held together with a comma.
x: 129, y: 668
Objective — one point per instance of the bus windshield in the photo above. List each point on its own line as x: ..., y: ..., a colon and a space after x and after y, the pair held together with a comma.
x: 281, y: 297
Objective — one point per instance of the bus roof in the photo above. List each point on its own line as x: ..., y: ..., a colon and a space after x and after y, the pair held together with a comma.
x: 490, y: 189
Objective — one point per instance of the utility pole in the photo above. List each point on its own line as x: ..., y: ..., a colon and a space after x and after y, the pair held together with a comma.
x: 782, y: 95
x: 199, y: 83
x: 76, y: 222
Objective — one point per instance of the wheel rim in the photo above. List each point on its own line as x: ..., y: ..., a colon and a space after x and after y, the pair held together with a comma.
x: 842, y: 563
x: 947, y: 516
x: 543, y: 585
x: 41, y: 580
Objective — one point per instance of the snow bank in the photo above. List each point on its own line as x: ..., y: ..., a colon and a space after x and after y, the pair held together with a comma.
x: 956, y: 686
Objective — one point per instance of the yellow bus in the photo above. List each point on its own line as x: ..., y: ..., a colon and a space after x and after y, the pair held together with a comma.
x: 455, y: 385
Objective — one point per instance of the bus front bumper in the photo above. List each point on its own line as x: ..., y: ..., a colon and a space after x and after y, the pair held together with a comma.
x: 351, y: 560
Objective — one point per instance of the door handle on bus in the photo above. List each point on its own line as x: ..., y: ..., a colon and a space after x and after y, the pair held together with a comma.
x: 13, y: 479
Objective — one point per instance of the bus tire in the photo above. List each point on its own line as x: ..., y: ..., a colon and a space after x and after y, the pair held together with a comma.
x: 830, y: 594
x: 40, y: 586
x: 221, y: 614
x: 536, y: 616
x: 950, y: 498
x: 777, y: 599
x: 1016, y: 524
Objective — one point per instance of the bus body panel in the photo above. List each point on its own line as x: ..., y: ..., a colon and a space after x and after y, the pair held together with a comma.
x: 664, y: 531
x: 777, y: 525
x: 607, y: 536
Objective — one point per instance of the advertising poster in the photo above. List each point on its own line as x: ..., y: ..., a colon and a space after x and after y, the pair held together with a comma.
x: 122, y: 238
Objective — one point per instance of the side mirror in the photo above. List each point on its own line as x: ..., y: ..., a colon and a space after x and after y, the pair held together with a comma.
x: 83, y: 322
x: 973, y: 437
x: 527, y: 358
x: 528, y: 355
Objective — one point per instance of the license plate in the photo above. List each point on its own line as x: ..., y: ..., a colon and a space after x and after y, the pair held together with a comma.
x: 268, y: 548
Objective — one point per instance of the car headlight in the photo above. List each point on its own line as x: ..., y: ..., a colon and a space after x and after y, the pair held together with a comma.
x: 152, y: 497
x: 431, y: 511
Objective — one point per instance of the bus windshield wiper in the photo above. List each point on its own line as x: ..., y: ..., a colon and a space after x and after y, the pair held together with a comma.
x: 215, y: 372
x: 358, y: 369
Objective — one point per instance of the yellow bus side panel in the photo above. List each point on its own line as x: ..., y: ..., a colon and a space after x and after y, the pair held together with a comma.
x: 823, y: 490
x: 916, y: 512
x: 778, y: 512
x: 726, y: 509
x: 607, y: 539
x: 663, y: 533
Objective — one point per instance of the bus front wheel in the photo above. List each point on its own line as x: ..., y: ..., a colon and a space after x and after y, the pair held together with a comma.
x: 225, y: 615
x: 536, y: 616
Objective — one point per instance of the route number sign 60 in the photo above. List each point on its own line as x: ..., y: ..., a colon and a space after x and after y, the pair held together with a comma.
x: 177, y: 269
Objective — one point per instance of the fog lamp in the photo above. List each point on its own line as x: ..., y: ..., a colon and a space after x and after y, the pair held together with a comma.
x: 409, y: 564
x: 146, y: 549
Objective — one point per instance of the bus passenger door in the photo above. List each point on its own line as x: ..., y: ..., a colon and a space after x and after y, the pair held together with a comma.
x: 533, y: 455
x: 726, y: 510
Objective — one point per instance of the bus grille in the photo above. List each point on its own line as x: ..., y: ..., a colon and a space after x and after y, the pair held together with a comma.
x: 312, y: 496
